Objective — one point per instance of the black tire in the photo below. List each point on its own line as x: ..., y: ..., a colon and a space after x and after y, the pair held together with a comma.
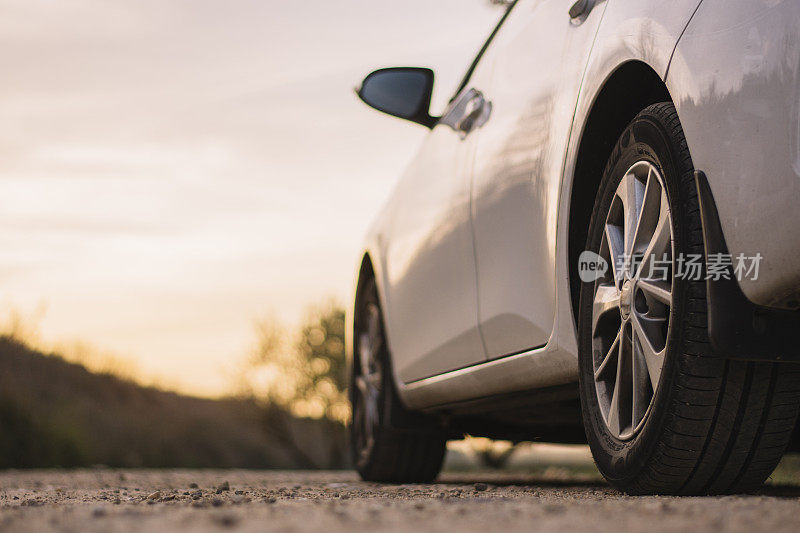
x: 407, y: 447
x: 715, y: 425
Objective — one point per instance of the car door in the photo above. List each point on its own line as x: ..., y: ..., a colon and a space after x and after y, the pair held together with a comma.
x: 532, y: 74
x: 430, y: 261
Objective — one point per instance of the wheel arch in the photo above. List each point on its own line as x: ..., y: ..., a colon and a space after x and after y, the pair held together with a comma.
x: 368, y: 269
x: 630, y: 88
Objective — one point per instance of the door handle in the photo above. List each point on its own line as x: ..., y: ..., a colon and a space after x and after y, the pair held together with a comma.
x: 580, y: 8
x: 470, y: 111
x: 474, y: 112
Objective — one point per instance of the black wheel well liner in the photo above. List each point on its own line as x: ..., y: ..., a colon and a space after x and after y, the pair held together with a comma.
x: 366, y: 272
x: 629, y: 89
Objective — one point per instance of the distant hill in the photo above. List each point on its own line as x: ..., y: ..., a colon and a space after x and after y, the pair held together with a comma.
x: 57, y: 413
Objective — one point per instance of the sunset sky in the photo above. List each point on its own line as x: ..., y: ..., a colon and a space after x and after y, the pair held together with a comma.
x: 172, y: 171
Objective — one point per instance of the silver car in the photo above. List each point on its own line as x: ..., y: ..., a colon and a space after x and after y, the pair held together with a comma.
x: 598, y: 242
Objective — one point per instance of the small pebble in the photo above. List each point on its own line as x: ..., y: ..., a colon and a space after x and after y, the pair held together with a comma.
x: 481, y: 486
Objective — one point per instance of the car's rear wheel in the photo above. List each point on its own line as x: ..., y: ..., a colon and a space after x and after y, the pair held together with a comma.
x: 389, y: 443
x: 662, y: 412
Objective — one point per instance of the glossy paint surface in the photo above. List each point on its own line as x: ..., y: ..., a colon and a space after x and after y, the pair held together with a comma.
x: 532, y: 74
x: 735, y: 79
x: 430, y: 263
x: 471, y: 252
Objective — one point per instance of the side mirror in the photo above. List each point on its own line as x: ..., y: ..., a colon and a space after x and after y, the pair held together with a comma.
x: 403, y: 92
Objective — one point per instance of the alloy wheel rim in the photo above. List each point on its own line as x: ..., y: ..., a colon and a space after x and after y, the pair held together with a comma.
x: 631, y: 308
x: 367, y: 380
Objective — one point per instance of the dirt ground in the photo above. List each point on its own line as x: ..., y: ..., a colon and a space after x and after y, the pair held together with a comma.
x: 168, y: 500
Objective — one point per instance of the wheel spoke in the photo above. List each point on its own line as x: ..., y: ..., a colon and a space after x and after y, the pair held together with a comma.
x: 364, y: 353
x: 611, y: 357
x: 619, y: 398
x: 606, y: 300
x: 633, y: 193
x: 616, y: 250
x: 657, y: 290
x: 642, y: 388
x: 370, y: 340
x: 613, y: 410
x: 362, y: 386
x: 654, y: 359
x: 369, y: 404
x: 648, y: 214
x: 370, y: 419
x: 660, y: 242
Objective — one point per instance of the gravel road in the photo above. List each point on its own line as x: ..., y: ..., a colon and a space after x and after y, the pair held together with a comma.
x: 188, y: 500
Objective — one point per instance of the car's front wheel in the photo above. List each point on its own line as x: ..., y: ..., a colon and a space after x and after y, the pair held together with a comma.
x: 389, y: 443
x: 662, y: 412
